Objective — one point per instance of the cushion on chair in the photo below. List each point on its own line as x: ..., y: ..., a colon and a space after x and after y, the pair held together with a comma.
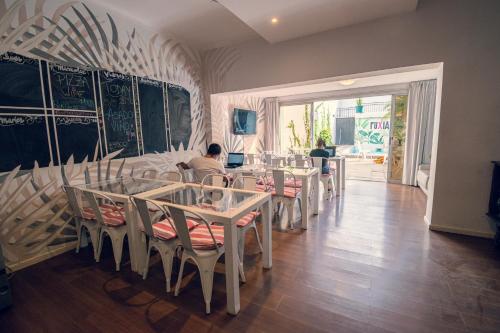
x: 247, y: 219
x: 112, y: 216
x: 291, y: 183
x: 289, y: 192
x: 201, y: 239
x: 260, y: 188
x: 163, y: 229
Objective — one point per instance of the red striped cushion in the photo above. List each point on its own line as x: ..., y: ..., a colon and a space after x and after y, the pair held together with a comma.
x: 163, y: 229
x: 261, y: 188
x: 289, y: 192
x: 293, y: 183
x: 201, y: 239
x: 113, y: 216
x: 247, y: 219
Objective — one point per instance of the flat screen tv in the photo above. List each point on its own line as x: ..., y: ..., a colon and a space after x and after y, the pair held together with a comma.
x: 244, y: 122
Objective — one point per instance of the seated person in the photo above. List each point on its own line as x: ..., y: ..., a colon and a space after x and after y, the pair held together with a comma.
x: 320, y: 151
x: 208, y: 164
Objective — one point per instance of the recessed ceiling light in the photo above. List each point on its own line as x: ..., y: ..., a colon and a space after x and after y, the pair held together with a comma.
x: 274, y: 20
x: 347, y: 82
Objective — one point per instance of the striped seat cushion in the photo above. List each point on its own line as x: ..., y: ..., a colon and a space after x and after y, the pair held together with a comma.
x: 289, y: 192
x: 261, y: 188
x: 290, y: 182
x: 247, y: 219
x: 163, y: 229
x: 113, y: 216
x: 201, y: 239
x: 293, y: 183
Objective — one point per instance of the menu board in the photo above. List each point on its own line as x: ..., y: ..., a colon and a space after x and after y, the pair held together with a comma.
x: 153, y: 117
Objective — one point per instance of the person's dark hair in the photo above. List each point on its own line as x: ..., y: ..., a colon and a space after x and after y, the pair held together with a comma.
x: 320, y: 143
x: 214, y: 149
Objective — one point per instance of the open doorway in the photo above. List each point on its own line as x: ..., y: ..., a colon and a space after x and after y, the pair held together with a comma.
x: 369, y: 131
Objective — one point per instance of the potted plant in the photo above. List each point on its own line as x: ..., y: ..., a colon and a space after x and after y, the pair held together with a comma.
x: 359, y: 105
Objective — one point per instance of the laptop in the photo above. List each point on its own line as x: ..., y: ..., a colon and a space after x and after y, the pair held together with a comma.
x: 331, y: 150
x: 234, y: 160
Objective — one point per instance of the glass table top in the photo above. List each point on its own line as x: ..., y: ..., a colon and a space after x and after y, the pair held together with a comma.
x: 206, y: 198
x: 127, y: 185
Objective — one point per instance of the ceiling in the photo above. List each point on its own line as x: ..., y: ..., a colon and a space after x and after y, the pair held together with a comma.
x: 297, y: 18
x: 207, y: 24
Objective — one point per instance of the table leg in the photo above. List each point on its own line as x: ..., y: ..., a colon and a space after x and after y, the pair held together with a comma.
x: 343, y: 172
x: 133, y: 239
x: 232, y: 263
x: 306, y: 188
x: 267, y: 242
x: 316, y: 178
x: 338, y: 172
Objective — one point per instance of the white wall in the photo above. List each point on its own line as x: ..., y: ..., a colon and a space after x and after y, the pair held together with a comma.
x: 463, y: 34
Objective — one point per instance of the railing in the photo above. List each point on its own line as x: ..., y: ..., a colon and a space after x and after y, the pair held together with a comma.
x: 349, y: 112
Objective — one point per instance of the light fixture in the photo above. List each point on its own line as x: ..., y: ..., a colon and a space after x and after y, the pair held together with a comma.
x: 347, y: 82
x: 274, y: 20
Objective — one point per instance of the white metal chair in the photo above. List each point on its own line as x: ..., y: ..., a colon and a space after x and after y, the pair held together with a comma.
x: 251, y: 158
x: 300, y: 161
x: 160, y: 234
x: 187, y: 174
x: 248, y: 183
x: 284, y: 194
x: 149, y: 174
x: 174, y: 176
x: 328, y: 180
x: 111, y: 220
x: 203, y: 245
x: 82, y: 220
x: 215, y: 179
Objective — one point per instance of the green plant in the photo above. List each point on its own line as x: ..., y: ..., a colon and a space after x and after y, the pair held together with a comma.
x: 294, y: 139
x: 307, y: 125
x: 359, y: 101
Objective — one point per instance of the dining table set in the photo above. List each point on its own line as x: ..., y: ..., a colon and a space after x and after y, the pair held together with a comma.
x: 113, y: 205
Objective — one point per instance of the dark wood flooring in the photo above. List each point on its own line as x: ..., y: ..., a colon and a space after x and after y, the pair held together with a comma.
x: 367, y: 264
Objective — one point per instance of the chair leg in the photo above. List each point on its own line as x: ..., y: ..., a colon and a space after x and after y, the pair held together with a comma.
x: 99, y: 246
x: 290, y: 210
x: 94, y: 238
x: 146, y: 264
x: 117, y: 243
x: 254, y: 226
x: 167, y: 258
x: 79, y: 237
x: 179, y: 277
x: 206, y: 269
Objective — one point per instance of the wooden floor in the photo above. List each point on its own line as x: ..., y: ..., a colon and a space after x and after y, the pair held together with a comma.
x: 367, y: 264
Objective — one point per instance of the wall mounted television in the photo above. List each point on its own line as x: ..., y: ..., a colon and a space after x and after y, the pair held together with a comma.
x: 244, y: 122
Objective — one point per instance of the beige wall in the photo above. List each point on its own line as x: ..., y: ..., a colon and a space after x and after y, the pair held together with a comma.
x: 463, y: 34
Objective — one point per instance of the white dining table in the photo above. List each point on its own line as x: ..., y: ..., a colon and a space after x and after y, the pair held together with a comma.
x: 229, y: 207
x: 238, y: 204
x: 310, y: 185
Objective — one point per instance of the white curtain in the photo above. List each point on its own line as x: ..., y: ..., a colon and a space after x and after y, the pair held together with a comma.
x: 420, y: 123
x: 272, y: 120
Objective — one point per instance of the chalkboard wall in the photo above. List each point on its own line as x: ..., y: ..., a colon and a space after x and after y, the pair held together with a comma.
x: 153, y: 117
x: 49, y: 112
x: 119, y: 113
x: 179, y: 113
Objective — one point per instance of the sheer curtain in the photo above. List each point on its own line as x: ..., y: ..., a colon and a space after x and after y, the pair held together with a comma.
x: 420, y: 123
x: 272, y: 120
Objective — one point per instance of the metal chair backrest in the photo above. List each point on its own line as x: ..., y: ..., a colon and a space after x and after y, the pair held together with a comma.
x: 150, y: 216
x: 215, y: 179
x: 149, y: 174
x: 174, y: 176
x: 186, y: 174
x: 248, y: 183
x: 279, y: 177
x: 180, y: 222
x: 268, y: 158
x: 94, y: 198
x: 74, y: 199
x: 251, y: 158
x: 317, y: 162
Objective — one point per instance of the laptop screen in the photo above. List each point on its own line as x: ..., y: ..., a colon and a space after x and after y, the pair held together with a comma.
x: 331, y: 151
x: 235, y: 158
